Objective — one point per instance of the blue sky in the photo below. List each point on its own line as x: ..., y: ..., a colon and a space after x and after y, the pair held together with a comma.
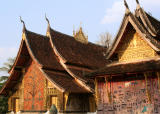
x: 97, y: 16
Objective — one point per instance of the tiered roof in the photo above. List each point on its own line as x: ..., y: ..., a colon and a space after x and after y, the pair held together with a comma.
x: 62, y: 59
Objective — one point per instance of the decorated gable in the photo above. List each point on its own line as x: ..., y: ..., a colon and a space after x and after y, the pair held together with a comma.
x: 132, y: 47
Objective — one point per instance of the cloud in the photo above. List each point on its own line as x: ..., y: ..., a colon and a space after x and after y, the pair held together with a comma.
x: 115, y: 13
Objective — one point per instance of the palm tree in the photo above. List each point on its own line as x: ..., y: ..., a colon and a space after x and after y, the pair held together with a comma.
x: 4, y: 100
x: 6, y: 67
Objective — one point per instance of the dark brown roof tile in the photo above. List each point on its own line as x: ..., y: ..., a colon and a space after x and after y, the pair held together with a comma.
x: 90, y: 55
x: 42, y: 50
x: 66, y: 82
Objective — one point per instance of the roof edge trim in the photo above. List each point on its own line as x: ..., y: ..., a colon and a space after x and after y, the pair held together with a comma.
x: 53, y: 82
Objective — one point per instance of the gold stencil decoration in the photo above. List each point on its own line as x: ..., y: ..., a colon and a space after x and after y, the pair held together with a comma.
x: 133, y: 48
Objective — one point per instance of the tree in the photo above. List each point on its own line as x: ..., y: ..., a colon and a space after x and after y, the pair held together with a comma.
x: 105, y: 39
x: 4, y: 100
x: 7, y: 66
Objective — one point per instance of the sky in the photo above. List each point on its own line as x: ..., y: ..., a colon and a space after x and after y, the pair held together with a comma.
x: 95, y: 16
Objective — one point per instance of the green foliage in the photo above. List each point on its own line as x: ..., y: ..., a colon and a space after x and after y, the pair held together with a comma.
x: 3, y: 105
x: 4, y: 100
x: 7, y: 65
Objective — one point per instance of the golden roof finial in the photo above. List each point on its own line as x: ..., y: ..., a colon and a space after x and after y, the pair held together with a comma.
x: 81, y: 24
x: 73, y: 31
x: 80, y: 29
x: 24, y: 27
x: 127, y: 7
x: 80, y: 36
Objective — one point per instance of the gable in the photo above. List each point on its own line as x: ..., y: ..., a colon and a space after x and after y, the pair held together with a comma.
x: 34, y: 84
x: 132, y: 47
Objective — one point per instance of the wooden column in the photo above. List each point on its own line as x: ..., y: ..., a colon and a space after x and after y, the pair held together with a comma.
x: 158, y: 76
x: 96, y: 92
x: 108, y: 93
x: 147, y: 91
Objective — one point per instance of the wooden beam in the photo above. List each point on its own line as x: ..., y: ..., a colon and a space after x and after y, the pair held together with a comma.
x: 25, y: 56
x: 19, y: 68
x: 16, y: 81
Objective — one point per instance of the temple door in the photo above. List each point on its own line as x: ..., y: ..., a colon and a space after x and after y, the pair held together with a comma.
x: 16, y: 105
x: 54, y: 100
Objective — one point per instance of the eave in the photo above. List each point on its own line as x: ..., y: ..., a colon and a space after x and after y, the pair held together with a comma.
x: 146, y: 22
x: 119, y: 69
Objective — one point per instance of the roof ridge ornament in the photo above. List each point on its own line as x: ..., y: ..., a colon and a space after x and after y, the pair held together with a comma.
x: 47, y: 20
x: 127, y: 7
x: 138, y: 4
x: 48, y: 28
x: 24, y: 26
x: 74, y: 31
x: 137, y: 1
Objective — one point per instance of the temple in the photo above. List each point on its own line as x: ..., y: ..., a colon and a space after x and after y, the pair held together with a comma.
x: 74, y: 75
x: 50, y: 70
x: 130, y: 82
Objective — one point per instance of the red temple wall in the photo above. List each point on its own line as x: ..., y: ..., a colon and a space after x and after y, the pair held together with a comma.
x: 34, y: 83
x: 129, y: 97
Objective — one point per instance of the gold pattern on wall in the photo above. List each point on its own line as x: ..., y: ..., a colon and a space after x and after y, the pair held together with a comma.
x: 49, y: 84
x: 133, y: 47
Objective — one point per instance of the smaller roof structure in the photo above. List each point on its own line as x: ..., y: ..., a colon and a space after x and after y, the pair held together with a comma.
x: 147, y: 26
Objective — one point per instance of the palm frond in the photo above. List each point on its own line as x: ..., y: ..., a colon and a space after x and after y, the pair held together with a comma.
x: 4, y: 69
x: 3, y: 78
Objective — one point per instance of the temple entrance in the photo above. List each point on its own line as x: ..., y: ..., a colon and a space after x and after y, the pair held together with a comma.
x: 16, y: 105
x: 54, y: 100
